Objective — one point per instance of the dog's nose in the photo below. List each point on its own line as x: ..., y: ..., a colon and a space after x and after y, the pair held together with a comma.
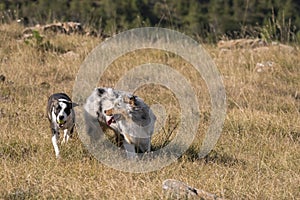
x: 61, y: 117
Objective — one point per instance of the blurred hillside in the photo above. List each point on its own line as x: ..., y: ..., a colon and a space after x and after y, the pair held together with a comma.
x: 208, y: 19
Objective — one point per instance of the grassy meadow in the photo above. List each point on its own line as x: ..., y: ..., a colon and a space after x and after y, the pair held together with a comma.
x: 256, y: 157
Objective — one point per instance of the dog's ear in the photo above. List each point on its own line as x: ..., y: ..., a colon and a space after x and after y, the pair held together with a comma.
x: 100, y: 91
x: 74, y: 104
x: 54, y: 103
x: 132, y: 100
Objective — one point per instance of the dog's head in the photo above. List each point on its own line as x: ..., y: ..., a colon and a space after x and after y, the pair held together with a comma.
x: 115, y: 114
x: 61, y: 110
x: 120, y: 108
x: 110, y: 116
x: 104, y: 100
x: 112, y: 104
x: 99, y: 101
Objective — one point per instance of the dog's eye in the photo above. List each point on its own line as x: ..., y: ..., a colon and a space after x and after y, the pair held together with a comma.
x: 119, y: 104
x: 57, y: 109
x: 67, y: 111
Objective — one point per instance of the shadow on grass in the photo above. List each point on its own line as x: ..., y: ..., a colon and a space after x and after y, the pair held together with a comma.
x: 75, y: 151
x: 213, y: 157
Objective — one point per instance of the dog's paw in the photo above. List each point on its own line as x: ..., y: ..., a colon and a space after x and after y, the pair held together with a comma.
x: 57, y: 156
x: 63, y: 141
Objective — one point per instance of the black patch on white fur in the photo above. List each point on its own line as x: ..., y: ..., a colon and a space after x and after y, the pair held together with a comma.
x: 101, y: 91
x: 57, y: 108
x: 100, y: 107
x: 68, y: 108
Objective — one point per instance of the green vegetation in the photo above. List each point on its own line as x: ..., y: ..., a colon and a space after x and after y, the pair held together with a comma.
x: 267, y: 19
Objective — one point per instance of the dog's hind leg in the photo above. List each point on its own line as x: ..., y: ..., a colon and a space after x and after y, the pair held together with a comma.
x: 143, y: 145
x: 55, y: 137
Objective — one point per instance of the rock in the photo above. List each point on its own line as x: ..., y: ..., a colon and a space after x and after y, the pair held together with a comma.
x: 62, y: 28
x: 70, y: 54
x: 257, y: 45
x: 2, y: 78
x: 241, y: 43
x: 267, y: 66
x: 73, y: 27
x: 175, y: 189
x: 297, y: 95
x: 286, y: 48
x: 59, y: 27
x: 2, y: 113
x: 55, y: 28
x: 45, y: 85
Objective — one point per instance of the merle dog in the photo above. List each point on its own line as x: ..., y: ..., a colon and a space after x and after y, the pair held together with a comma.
x: 131, y: 119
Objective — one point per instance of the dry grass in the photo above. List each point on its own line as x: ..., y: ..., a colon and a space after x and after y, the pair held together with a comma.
x: 257, y: 156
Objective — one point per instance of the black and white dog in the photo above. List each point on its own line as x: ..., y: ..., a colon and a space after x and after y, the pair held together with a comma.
x: 61, y: 117
x: 131, y: 119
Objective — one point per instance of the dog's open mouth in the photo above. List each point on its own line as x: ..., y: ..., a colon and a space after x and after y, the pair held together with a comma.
x: 61, y: 123
x: 111, y: 120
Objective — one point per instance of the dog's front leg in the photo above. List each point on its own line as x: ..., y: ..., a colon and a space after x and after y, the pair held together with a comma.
x: 119, y: 138
x: 66, y: 136
x: 130, y: 150
x: 129, y: 147
x: 55, y: 137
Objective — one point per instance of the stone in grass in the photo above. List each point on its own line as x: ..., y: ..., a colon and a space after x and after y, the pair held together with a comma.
x: 45, y: 85
x: 267, y: 66
x: 2, y: 78
x: 175, y: 189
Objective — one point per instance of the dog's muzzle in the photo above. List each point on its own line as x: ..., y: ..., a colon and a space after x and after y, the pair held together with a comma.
x: 61, y: 123
x: 113, y: 119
